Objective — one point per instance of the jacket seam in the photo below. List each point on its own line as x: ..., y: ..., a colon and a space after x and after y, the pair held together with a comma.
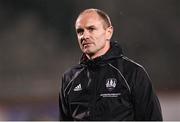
x: 72, y: 81
x: 121, y: 76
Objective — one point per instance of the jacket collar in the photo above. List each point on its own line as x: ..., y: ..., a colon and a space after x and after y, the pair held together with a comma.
x: 115, y: 51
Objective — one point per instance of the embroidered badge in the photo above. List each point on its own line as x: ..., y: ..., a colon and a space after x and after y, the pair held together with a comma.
x: 111, y: 83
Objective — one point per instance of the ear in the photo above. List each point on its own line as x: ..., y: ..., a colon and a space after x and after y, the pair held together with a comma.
x: 109, y: 32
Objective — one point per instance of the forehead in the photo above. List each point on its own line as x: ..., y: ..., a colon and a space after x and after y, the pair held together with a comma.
x: 88, y: 19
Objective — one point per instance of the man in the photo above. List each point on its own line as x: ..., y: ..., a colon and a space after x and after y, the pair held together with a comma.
x: 105, y: 85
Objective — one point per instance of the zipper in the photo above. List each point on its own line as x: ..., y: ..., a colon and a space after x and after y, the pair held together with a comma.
x: 91, y: 85
x: 94, y: 89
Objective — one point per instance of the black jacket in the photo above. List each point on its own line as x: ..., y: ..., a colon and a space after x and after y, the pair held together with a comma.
x: 110, y: 87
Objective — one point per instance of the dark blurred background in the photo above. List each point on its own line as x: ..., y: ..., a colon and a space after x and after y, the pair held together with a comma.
x: 38, y: 43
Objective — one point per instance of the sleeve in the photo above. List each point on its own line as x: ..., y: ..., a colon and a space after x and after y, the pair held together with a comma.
x: 146, y: 103
x: 63, y: 106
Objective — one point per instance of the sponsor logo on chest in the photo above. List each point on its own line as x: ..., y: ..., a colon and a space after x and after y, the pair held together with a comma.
x: 78, y: 88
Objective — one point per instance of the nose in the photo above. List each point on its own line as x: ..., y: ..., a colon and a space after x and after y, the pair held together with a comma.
x: 85, y: 35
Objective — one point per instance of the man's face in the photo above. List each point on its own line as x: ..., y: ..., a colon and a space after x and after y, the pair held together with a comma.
x: 92, y: 35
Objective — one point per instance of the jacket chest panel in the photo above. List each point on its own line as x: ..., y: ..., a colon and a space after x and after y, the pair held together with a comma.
x: 102, y: 85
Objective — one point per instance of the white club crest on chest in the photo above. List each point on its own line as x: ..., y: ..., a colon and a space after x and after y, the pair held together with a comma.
x: 111, y: 83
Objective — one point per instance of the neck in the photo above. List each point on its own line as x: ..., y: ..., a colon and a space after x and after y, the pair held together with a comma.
x: 98, y: 53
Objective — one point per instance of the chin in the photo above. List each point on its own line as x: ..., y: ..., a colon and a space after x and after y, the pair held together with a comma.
x: 88, y: 52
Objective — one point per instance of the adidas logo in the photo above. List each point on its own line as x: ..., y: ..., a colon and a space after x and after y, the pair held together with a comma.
x: 78, y: 88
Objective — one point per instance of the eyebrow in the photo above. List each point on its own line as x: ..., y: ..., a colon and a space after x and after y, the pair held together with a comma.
x: 91, y: 26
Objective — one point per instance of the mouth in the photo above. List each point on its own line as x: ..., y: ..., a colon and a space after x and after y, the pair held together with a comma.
x: 86, y: 44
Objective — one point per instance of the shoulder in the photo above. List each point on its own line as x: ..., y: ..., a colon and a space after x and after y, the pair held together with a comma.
x: 71, y: 72
x: 136, y: 71
x: 72, y: 69
x: 131, y: 65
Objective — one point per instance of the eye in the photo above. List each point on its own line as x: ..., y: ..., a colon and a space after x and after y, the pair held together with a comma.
x: 79, y: 31
x: 91, y: 29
